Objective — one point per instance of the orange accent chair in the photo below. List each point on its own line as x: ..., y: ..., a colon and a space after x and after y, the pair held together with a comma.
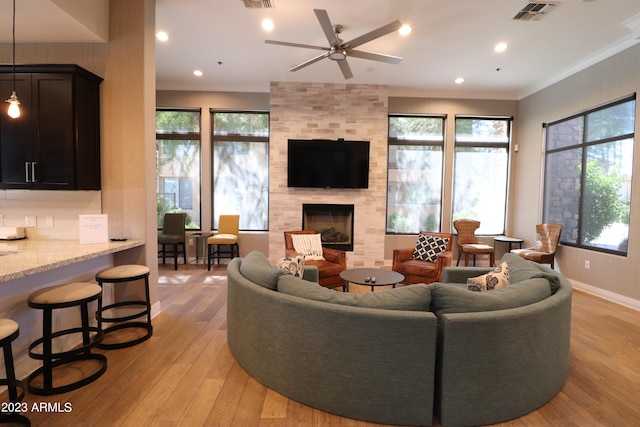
x: 329, y: 269
x: 419, y: 271
x: 468, y: 243
x: 544, y: 252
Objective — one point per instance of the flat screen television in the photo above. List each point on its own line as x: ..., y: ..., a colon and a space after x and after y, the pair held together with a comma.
x: 321, y: 163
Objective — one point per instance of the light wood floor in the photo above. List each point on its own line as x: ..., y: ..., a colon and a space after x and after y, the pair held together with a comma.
x: 186, y: 376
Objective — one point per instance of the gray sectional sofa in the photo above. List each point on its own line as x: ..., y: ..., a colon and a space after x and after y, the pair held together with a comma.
x: 400, y: 356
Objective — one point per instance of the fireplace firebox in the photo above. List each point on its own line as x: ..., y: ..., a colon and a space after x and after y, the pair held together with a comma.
x: 333, y: 222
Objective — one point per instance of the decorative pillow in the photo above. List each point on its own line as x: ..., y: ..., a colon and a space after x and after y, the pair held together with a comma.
x: 308, y: 245
x: 498, y: 278
x: 294, y: 265
x: 409, y: 298
x: 428, y: 247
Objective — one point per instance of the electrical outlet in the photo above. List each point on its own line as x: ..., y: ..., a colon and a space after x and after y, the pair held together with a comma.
x: 587, y: 264
x: 49, y: 220
x: 192, y: 242
x: 30, y: 221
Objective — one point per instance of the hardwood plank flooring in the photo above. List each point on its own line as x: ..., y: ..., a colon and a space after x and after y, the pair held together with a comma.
x: 185, y: 374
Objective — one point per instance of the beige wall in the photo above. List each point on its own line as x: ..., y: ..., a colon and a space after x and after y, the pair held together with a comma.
x: 611, y: 276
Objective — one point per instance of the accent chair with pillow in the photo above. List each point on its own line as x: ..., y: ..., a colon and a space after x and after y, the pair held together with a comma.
x: 330, y: 262
x: 424, y: 262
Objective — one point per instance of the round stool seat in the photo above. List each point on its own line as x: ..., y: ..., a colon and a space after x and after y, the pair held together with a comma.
x: 141, y: 308
x: 121, y: 272
x: 64, y: 295
x: 7, y: 329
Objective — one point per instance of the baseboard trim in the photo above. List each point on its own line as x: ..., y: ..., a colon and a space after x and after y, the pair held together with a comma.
x: 631, y: 303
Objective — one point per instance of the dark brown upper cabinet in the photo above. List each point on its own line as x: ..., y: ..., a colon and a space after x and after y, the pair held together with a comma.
x: 55, y: 143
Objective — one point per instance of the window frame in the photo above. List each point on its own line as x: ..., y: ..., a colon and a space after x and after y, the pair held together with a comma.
x: 393, y: 140
x: 183, y: 136
x: 583, y: 147
x: 488, y: 144
x: 237, y: 137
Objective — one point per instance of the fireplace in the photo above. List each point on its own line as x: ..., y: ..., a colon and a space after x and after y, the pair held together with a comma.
x: 333, y: 222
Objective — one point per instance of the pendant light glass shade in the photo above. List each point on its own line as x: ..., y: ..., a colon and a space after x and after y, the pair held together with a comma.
x: 14, y: 104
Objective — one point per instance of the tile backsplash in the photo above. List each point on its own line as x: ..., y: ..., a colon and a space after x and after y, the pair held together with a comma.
x: 56, y: 212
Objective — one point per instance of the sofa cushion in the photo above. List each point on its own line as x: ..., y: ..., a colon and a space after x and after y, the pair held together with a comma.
x: 409, y: 298
x: 446, y: 298
x: 256, y: 267
x: 520, y: 269
x: 292, y: 264
x: 496, y: 279
x: 428, y: 247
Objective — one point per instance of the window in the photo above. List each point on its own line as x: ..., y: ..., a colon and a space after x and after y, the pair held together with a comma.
x: 414, y: 182
x: 241, y: 168
x: 481, y: 172
x: 178, y: 164
x: 587, y: 181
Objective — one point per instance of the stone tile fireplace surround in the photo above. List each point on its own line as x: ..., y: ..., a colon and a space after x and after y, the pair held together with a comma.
x: 329, y: 111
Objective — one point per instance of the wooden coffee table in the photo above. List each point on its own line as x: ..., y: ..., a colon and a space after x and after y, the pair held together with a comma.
x: 371, y: 277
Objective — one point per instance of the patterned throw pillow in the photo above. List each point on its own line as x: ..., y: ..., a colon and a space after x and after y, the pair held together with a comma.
x: 294, y: 265
x: 428, y: 247
x: 498, y: 278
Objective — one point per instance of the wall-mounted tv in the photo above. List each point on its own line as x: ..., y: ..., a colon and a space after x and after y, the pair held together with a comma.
x: 322, y: 163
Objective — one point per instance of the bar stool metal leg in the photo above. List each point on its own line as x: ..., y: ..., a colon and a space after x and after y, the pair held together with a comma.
x: 12, y: 410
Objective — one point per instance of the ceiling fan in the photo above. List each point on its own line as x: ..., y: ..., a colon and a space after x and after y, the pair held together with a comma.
x: 338, y: 50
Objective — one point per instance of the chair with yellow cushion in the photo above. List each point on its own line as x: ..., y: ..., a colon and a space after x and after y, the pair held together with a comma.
x: 225, y: 238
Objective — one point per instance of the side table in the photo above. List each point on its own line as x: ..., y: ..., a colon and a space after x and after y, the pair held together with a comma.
x: 509, y: 240
x: 201, y: 243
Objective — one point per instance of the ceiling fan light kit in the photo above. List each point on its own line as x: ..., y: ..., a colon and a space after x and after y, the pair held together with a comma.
x: 339, y: 50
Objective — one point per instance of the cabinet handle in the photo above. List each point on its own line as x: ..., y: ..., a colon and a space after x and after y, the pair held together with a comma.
x: 26, y: 171
x: 33, y: 171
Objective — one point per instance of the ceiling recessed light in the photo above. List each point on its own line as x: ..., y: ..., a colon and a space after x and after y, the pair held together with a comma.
x: 267, y: 24
x: 404, y: 30
x: 459, y: 80
x: 162, y: 36
x: 500, y: 47
x: 197, y: 73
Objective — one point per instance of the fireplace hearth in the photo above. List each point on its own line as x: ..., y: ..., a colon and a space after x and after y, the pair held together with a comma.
x: 333, y: 222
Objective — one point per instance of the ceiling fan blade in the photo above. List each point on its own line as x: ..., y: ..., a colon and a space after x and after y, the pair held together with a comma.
x: 306, y: 46
x: 309, y: 62
x: 372, y: 35
x: 344, y: 67
x: 390, y: 59
x: 327, y: 27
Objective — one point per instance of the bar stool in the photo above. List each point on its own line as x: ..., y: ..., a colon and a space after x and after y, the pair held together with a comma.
x: 8, y: 332
x: 122, y: 274
x: 57, y: 297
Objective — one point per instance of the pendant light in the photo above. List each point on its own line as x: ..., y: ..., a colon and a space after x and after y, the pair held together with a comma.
x: 14, y: 104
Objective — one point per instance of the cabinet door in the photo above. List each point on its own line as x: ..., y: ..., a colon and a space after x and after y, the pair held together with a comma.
x: 54, y: 149
x: 16, y: 135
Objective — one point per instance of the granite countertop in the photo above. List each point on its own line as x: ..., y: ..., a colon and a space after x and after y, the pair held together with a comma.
x: 20, y: 258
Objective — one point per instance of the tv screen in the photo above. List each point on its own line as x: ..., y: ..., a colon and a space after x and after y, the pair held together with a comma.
x: 321, y: 163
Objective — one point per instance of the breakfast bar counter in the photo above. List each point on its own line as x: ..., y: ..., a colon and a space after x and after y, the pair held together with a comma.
x: 21, y: 258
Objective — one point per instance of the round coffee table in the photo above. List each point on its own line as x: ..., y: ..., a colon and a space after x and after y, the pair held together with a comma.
x: 371, y: 277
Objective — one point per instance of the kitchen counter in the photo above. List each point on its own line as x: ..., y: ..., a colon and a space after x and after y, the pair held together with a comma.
x: 20, y: 258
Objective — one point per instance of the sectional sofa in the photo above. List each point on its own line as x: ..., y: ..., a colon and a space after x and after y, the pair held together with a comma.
x: 402, y: 356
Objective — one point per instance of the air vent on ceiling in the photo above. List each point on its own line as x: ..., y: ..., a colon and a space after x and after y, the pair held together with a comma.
x: 258, y: 4
x: 535, y: 11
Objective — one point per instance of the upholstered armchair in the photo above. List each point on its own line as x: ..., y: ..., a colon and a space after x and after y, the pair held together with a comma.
x: 544, y: 252
x: 416, y: 270
x: 335, y: 261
